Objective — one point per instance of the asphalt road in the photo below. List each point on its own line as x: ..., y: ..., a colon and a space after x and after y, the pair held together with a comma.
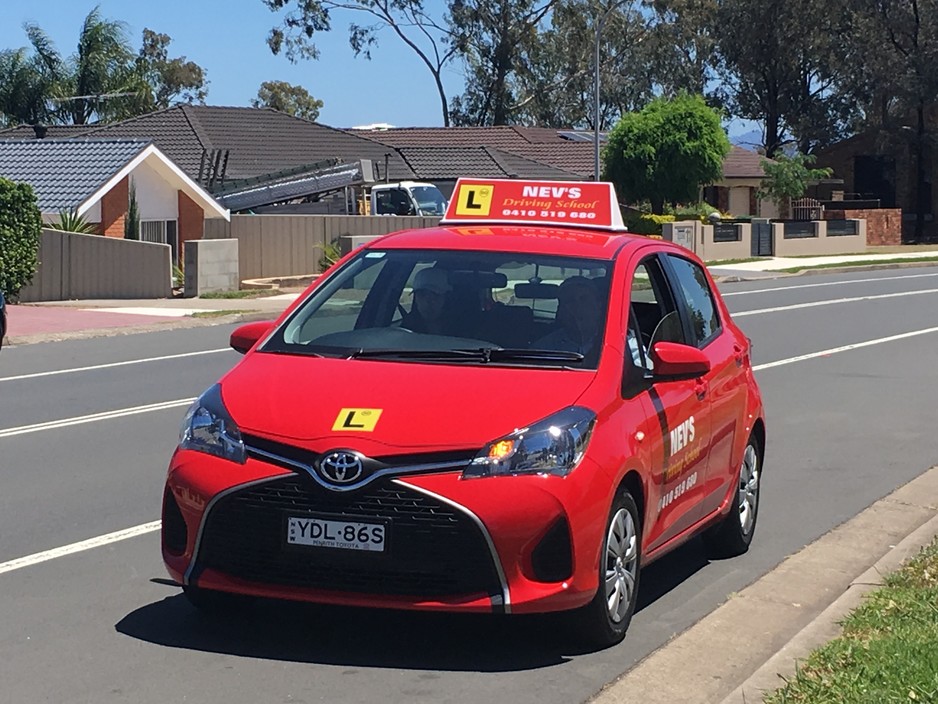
x: 845, y: 427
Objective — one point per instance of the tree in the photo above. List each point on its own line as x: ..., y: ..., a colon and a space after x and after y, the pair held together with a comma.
x: 20, y: 228
x: 427, y: 36
x: 100, y: 68
x: 293, y: 100
x: 102, y: 81
x: 777, y: 68
x: 682, y: 43
x: 23, y: 89
x: 787, y: 178
x: 667, y: 151
x: 555, y: 87
x: 897, y: 84
x: 495, y: 38
x: 168, y: 81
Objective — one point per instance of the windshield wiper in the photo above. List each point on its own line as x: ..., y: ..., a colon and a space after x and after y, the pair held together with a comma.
x: 433, y: 355
x: 485, y: 355
x: 500, y: 354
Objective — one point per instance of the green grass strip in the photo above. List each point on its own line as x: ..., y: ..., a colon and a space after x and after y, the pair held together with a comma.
x: 888, y: 652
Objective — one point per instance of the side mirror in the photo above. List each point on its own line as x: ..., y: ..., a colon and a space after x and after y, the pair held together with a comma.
x: 674, y: 361
x: 246, y: 336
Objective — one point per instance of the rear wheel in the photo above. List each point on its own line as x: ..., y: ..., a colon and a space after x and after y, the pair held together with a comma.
x: 605, y: 620
x: 732, y: 536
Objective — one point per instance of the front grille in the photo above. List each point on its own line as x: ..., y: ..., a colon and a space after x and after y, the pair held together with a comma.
x: 433, y: 549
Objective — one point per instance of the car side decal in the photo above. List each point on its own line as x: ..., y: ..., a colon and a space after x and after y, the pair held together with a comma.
x: 663, y: 422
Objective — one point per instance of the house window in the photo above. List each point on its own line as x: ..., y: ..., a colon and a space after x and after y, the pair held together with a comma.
x: 161, y: 232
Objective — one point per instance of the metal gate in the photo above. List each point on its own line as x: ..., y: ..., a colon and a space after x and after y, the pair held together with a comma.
x: 762, y: 241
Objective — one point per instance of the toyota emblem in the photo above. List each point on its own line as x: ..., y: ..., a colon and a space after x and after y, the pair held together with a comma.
x: 340, y: 467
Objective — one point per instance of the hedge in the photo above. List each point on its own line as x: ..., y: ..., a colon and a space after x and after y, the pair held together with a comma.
x: 20, y: 228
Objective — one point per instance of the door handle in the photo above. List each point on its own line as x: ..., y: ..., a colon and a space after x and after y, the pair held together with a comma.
x: 700, y: 388
x: 739, y: 354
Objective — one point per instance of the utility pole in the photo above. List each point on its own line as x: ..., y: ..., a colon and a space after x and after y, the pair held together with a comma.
x: 596, y: 119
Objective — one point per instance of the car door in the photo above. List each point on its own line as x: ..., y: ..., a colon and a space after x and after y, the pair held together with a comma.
x: 724, y: 385
x: 677, y: 448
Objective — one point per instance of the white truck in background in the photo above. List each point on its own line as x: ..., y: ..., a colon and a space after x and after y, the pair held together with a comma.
x: 403, y: 198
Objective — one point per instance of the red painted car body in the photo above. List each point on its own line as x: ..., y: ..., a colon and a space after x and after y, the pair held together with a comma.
x: 466, y: 522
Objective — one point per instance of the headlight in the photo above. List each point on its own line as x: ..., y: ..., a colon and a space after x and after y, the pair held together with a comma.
x: 554, y: 445
x: 208, y: 428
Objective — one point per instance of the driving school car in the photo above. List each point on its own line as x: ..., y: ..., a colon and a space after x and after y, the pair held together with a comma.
x: 513, y: 412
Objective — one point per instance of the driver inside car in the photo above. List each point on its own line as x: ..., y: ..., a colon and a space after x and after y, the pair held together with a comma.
x: 427, y: 313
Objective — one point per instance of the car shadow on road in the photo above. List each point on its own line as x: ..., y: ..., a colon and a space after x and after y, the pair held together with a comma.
x: 333, y: 635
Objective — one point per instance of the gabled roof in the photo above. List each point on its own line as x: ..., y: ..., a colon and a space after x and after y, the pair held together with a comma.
x: 257, y: 140
x: 742, y: 163
x: 65, y: 173
x: 449, y: 163
x: 74, y: 174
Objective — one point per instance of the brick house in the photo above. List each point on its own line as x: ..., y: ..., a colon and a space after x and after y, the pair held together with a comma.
x: 876, y: 166
x: 92, y: 178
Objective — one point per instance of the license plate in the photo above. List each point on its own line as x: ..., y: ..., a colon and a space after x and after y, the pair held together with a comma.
x: 344, y: 535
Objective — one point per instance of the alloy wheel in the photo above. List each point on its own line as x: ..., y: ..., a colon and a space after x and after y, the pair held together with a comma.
x: 621, y: 564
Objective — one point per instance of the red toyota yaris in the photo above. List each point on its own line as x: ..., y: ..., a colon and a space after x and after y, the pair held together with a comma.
x: 512, y: 412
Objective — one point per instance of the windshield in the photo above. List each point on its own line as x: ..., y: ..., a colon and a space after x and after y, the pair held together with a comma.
x: 455, y: 307
x: 429, y: 200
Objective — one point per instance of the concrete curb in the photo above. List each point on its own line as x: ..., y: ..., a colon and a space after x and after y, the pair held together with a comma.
x: 783, y: 665
x: 788, y: 612
x: 769, y: 274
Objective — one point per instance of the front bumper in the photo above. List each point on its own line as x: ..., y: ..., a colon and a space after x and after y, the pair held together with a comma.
x: 504, y: 544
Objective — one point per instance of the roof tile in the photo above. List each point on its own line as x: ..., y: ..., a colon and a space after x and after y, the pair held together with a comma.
x: 64, y: 173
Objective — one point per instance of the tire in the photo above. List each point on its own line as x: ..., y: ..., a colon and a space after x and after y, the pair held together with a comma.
x: 733, y: 535
x: 604, y: 621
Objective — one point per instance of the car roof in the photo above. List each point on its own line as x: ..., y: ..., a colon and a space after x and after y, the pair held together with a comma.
x: 559, y: 241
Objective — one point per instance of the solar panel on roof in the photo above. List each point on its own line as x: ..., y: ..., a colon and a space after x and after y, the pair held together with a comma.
x: 584, y: 136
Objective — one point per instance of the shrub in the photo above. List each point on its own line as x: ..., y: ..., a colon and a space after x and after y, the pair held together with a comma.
x: 71, y: 221
x: 331, y: 253
x: 20, y: 228
x: 646, y: 223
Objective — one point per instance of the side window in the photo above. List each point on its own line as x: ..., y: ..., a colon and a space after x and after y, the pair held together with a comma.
x: 693, y: 288
x: 652, y: 306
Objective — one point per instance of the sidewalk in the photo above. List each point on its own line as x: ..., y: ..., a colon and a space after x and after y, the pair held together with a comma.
x: 59, y: 320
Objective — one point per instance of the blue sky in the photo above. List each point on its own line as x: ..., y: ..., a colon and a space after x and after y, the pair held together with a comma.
x: 227, y: 38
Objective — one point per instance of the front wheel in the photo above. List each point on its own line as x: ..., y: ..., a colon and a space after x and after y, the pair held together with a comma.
x: 605, y: 620
x: 732, y: 536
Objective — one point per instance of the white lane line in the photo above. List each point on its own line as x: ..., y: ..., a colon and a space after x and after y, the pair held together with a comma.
x: 815, y: 304
x: 828, y: 283
x: 155, y: 525
x: 54, y: 553
x: 844, y: 348
x: 94, y: 417
x: 111, y: 365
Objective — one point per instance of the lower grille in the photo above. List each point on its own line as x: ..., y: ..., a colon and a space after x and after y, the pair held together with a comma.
x: 433, y: 549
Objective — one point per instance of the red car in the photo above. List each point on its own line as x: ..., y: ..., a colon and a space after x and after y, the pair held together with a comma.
x: 512, y: 412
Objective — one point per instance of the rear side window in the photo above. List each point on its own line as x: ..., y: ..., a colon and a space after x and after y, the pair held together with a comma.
x: 693, y: 288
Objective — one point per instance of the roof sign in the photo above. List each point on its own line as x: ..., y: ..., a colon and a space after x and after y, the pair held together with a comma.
x: 589, y: 204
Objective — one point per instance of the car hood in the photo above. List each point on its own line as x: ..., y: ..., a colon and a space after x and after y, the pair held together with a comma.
x: 425, y: 406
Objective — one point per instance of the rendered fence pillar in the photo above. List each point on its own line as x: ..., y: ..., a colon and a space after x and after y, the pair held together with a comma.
x: 211, y: 265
